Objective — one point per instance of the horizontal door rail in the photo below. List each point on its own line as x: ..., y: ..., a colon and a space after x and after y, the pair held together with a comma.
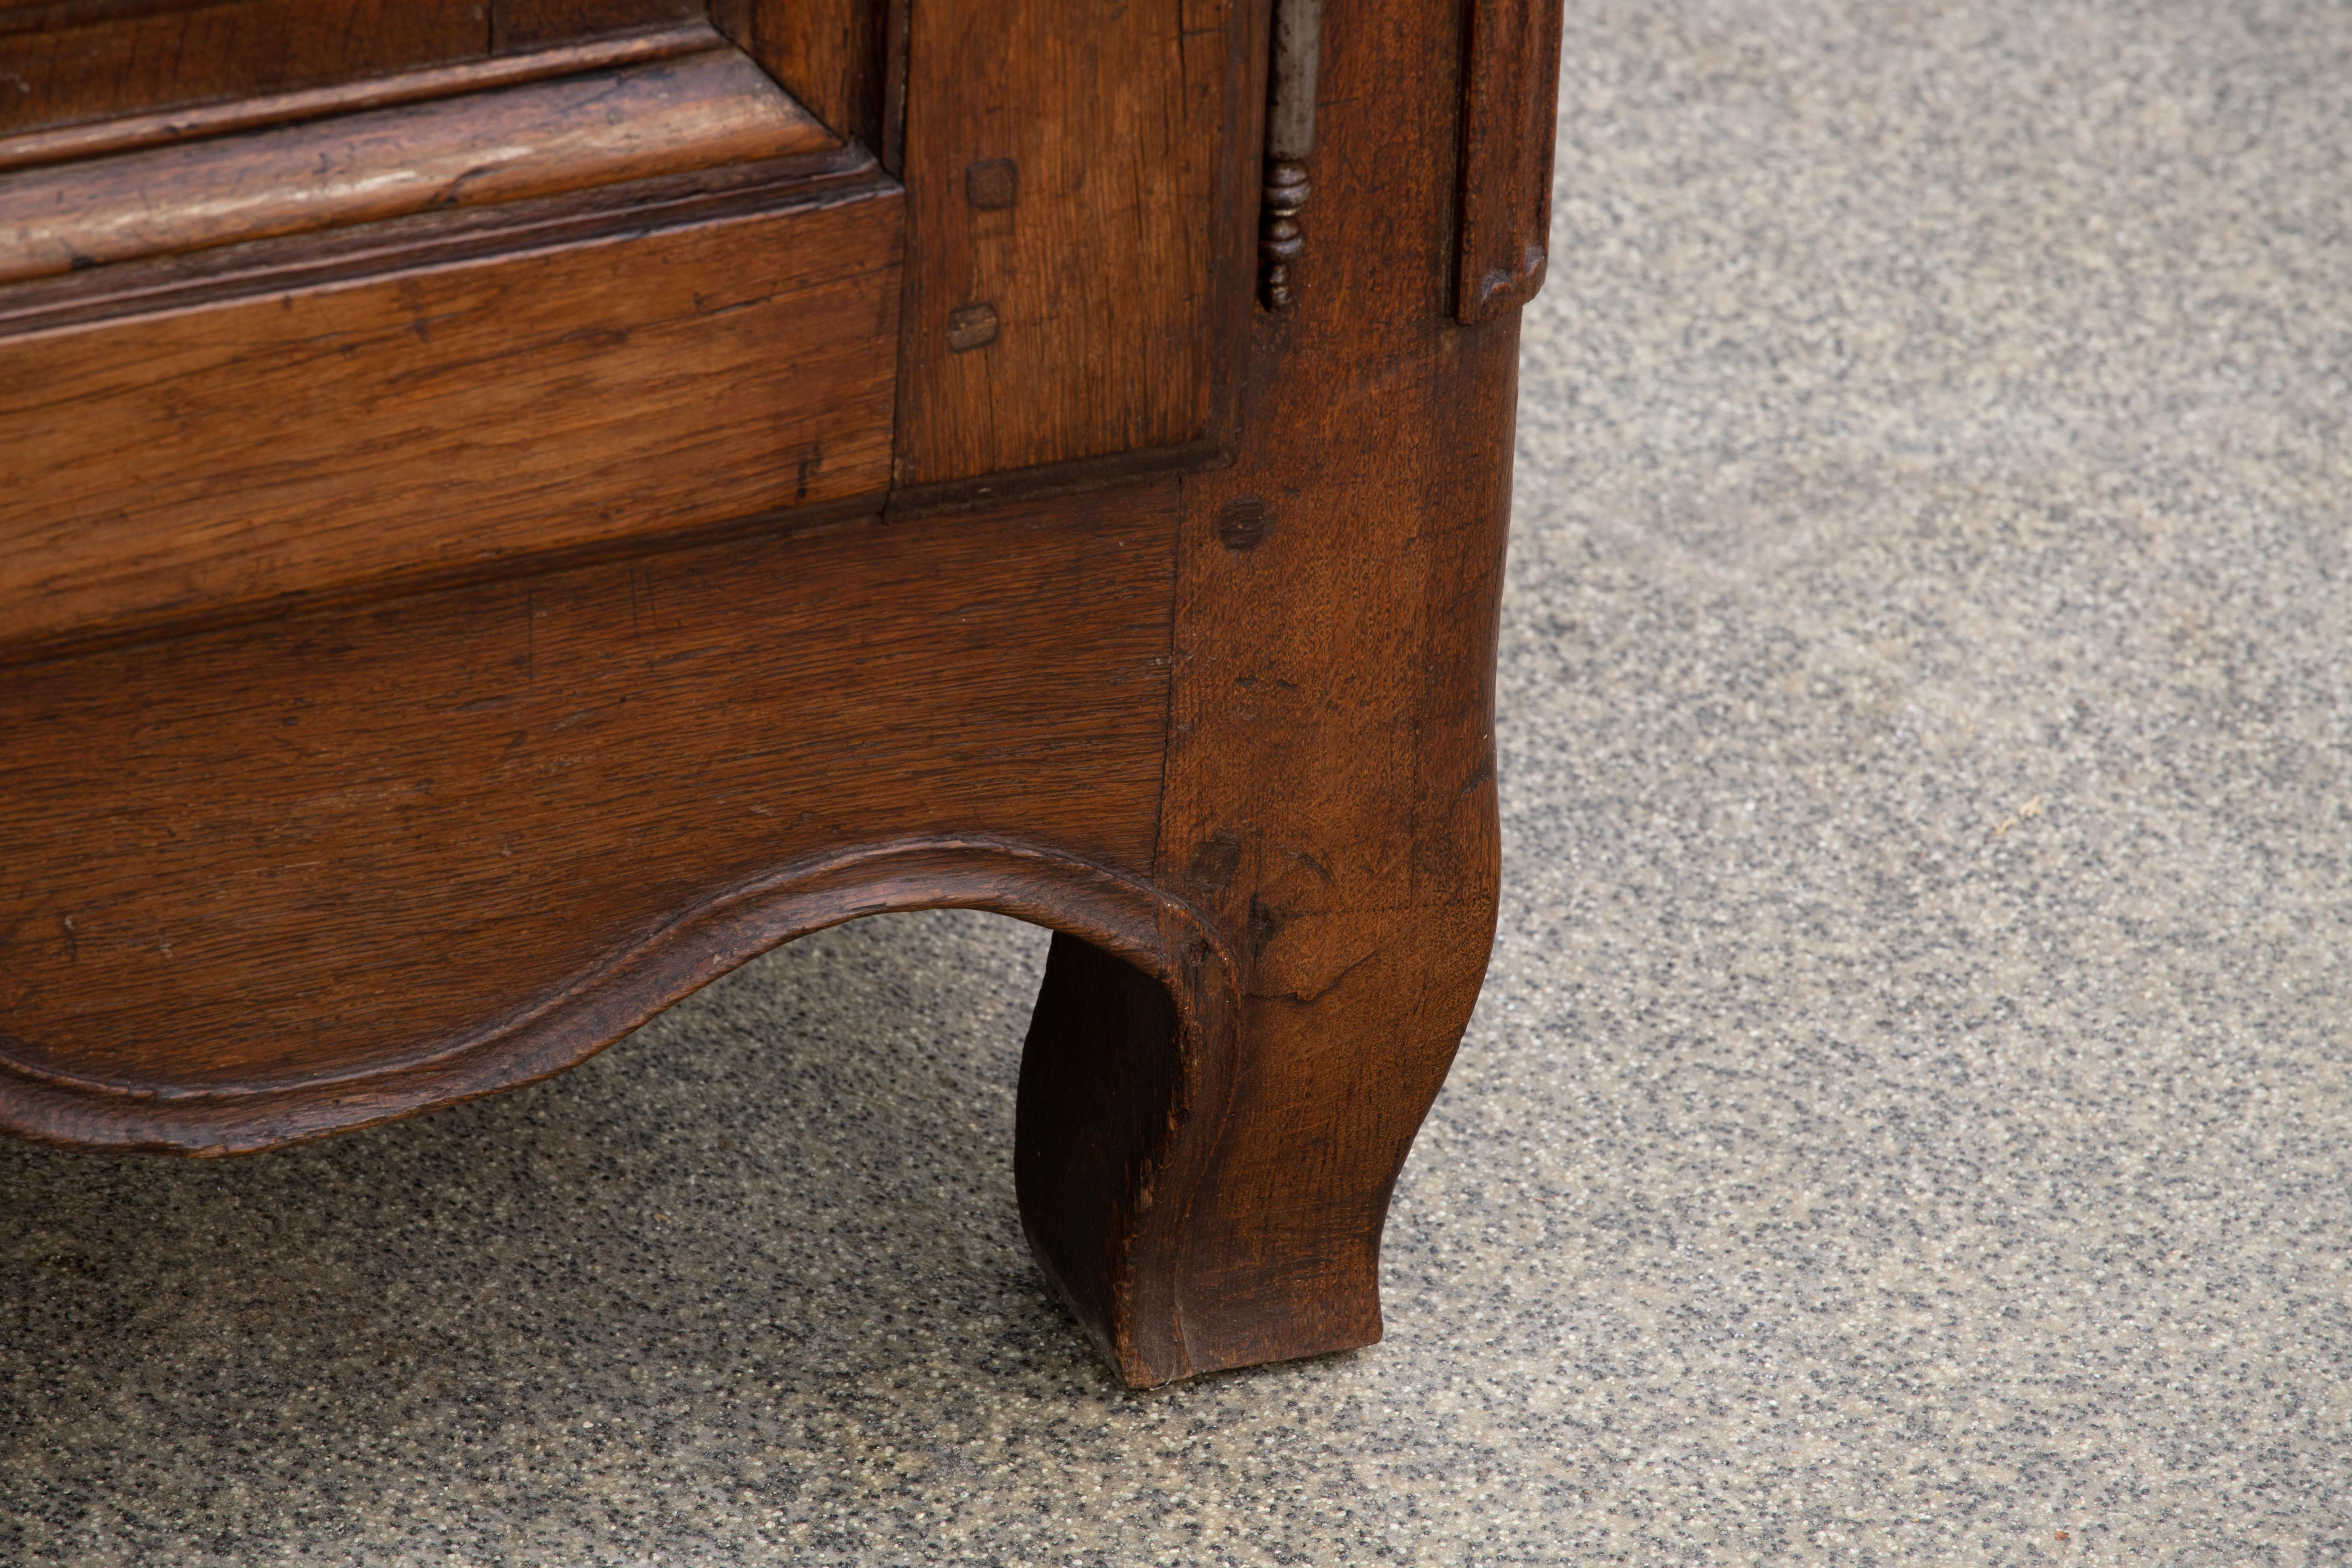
x: 536, y: 136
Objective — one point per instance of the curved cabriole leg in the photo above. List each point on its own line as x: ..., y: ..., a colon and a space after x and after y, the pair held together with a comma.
x: 1328, y: 801
x: 1205, y: 1175
x: 1104, y: 1094
x: 1208, y: 1181
x: 1123, y: 1085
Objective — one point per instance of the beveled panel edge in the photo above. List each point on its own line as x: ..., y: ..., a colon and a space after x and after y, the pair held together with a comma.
x: 94, y: 139
x: 227, y: 273
x: 540, y: 136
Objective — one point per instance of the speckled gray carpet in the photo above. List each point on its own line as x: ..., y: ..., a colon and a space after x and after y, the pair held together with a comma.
x: 1910, y: 1118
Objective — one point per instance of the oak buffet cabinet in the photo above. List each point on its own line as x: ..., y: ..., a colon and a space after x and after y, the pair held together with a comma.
x: 513, y: 509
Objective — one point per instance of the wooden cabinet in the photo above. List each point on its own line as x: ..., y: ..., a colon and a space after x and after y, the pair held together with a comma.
x: 513, y: 509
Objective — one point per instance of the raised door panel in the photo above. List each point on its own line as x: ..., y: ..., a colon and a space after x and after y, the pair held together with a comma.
x: 209, y: 422
x: 281, y: 445
x: 67, y: 61
x: 532, y: 24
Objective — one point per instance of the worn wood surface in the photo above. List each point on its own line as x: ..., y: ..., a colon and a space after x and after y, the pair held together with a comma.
x: 831, y: 55
x: 1125, y: 1077
x: 287, y: 443
x: 1509, y: 110
x: 1230, y: 734
x: 1329, y: 809
x: 251, y: 871
x: 530, y: 139
x: 71, y: 61
x: 157, y: 127
x: 1331, y: 799
x: 1107, y: 281
x: 518, y: 25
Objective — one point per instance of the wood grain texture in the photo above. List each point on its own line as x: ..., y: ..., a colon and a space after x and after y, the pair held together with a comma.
x: 155, y: 128
x: 1231, y: 734
x: 269, y: 881
x: 1126, y: 1081
x: 530, y: 139
x: 1331, y: 799
x: 1114, y: 277
x: 284, y: 444
x: 453, y: 236
x: 534, y: 24
x: 72, y: 60
x: 1510, y: 107
x: 828, y: 54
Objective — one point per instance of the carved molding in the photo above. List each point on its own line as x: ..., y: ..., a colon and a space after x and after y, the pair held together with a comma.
x: 1127, y: 918
x: 1510, y: 82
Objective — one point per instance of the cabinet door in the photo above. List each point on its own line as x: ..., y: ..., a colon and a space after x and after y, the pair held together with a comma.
x: 304, y: 297
x: 308, y: 298
x: 433, y: 460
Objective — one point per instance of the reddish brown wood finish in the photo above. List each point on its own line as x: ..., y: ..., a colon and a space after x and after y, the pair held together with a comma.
x: 1230, y: 733
x: 125, y: 133
x: 1330, y: 800
x: 286, y: 444
x: 72, y: 60
x: 271, y: 882
x: 1125, y: 1081
x: 516, y: 24
x: 833, y: 56
x: 1074, y: 232
x: 534, y: 138
x: 1509, y: 111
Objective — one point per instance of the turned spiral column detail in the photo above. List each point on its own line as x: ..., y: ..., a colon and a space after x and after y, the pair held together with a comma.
x: 1289, y: 138
x: 1280, y: 239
